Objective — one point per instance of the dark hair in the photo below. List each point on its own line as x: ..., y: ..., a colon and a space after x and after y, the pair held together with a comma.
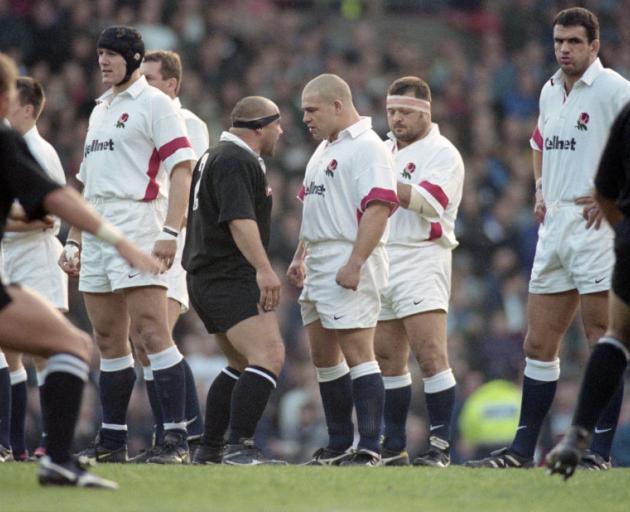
x: 405, y: 84
x: 578, y: 16
x: 31, y: 92
x: 170, y: 65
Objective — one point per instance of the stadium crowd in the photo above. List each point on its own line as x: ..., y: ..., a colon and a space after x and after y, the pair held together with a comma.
x: 485, y: 62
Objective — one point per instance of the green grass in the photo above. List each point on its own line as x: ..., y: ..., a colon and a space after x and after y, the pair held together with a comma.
x: 218, y: 488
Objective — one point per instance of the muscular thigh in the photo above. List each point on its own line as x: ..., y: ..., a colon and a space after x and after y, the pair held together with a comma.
x: 619, y: 323
x: 110, y: 321
x: 325, y: 350
x: 29, y: 324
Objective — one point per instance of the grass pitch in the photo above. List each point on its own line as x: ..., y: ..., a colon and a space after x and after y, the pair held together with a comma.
x: 219, y: 488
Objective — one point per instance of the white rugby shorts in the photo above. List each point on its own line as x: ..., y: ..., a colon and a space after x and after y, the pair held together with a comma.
x: 32, y: 261
x: 337, y: 307
x: 176, y: 276
x: 569, y: 256
x: 419, y: 280
x: 102, y: 269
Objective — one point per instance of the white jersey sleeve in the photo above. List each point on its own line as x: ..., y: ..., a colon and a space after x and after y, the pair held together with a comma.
x: 198, y: 134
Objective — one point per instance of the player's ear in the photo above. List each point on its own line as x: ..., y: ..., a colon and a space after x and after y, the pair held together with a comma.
x: 595, y: 44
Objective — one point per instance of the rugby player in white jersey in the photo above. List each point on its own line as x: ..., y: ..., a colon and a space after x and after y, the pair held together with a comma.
x: 414, y: 306
x: 163, y: 69
x: 349, y: 191
x: 136, y: 172
x: 574, y: 255
x: 30, y: 251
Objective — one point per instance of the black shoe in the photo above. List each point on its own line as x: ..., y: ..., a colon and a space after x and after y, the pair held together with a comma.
x: 6, y: 454
x: 193, y: 445
x: 438, y: 455
x: 144, y: 455
x: 173, y: 451
x: 362, y: 457
x: 594, y: 462
x: 327, y: 457
x: 208, y: 453
x: 98, y: 453
x: 245, y: 453
x: 71, y: 473
x: 567, y: 454
x: 393, y: 457
x: 501, y: 459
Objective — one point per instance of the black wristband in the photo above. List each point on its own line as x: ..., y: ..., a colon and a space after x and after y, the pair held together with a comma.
x: 74, y: 243
x: 170, y: 231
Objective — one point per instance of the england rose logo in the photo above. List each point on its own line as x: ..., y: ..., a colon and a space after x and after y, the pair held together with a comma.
x: 122, y: 120
x: 408, y: 170
x: 332, y: 166
x: 582, y: 121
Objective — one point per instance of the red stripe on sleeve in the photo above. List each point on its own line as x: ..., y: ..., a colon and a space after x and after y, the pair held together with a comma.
x: 153, y: 187
x: 537, y: 138
x: 170, y: 147
x: 436, y: 191
x: 301, y: 194
x: 381, y: 194
x: 436, y: 231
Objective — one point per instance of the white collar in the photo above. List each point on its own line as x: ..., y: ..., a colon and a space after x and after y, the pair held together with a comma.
x: 235, y: 139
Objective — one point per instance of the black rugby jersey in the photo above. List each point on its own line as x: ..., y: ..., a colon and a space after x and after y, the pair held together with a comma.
x: 228, y: 184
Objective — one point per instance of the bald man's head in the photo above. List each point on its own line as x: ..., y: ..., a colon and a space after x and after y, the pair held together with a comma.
x: 252, y: 108
x: 256, y: 120
x: 327, y: 106
x: 329, y: 88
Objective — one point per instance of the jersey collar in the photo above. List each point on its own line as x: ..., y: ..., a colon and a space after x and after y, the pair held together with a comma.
x: 354, y: 130
x: 433, y: 133
x: 588, y: 77
x: 134, y: 90
x: 234, y: 139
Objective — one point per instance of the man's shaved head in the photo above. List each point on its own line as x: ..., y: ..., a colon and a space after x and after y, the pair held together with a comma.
x: 253, y: 107
x: 329, y: 88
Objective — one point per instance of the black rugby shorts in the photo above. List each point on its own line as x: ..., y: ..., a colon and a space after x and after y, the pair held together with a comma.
x: 621, y: 272
x: 222, y: 303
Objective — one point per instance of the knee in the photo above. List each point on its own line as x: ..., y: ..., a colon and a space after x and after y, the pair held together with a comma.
x: 325, y: 357
x: 537, y: 348
x: 150, y: 334
x: 432, y: 357
x: 79, y: 344
x: 594, y: 331
x: 391, y: 364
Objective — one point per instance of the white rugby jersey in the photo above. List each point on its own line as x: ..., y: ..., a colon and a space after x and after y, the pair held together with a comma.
x: 129, y: 136
x: 48, y: 159
x: 573, y: 129
x: 196, y: 128
x: 433, y: 167
x: 342, y: 178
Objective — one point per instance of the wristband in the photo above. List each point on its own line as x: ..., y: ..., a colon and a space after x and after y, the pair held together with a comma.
x: 168, y: 233
x: 70, y: 251
x: 108, y: 233
x: 539, y: 184
x: 73, y: 243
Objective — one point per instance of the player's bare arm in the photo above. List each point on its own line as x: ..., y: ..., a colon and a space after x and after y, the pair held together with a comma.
x: 370, y: 231
x: 591, y: 211
x: 247, y: 239
x: 539, y: 203
x: 609, y: 209
x: 20, y: 226
x: 297, y: 271
x: 166, y: 246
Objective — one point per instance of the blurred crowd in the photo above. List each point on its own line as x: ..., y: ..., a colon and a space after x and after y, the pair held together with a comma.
x: 485, y: 62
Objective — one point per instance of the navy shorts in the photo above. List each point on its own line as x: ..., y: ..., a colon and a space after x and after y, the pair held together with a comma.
x: 221, y: 302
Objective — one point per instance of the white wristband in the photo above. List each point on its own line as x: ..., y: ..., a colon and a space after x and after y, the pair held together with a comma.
x: 108, y: 233
x: 70, y: 252
x: 168, y: 233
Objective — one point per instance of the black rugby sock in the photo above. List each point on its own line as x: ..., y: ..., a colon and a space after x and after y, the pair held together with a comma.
x: 218, y: 403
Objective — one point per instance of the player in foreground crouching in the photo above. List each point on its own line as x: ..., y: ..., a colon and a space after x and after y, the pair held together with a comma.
x: 610, y: 356
x: 27, y: 322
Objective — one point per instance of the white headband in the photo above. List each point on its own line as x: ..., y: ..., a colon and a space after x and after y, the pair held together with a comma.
x: 409, y: 102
